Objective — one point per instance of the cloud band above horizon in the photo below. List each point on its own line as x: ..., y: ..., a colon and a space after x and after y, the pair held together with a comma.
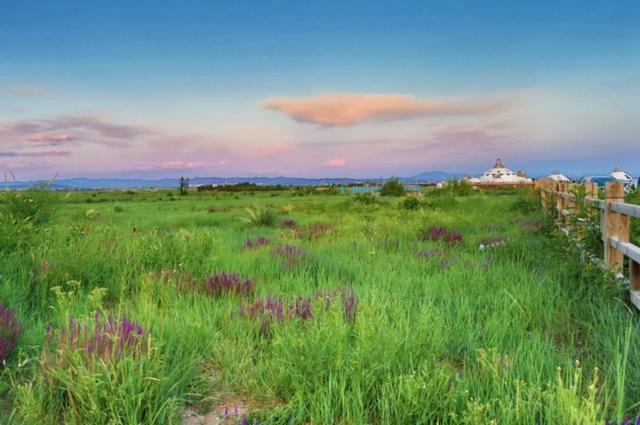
x: 348, y: 109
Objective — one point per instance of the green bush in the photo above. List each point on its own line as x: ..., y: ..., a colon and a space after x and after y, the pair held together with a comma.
x: 410, y: 203
x: 260, y: 216
x: 455, y: 188
x: 392, y: 187
x: 527, y: 202
x: 365, y: 198
x: 35, y: 205
x: 23, y: 212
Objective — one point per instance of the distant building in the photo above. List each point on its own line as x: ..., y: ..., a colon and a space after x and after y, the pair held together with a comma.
x: 620, y: 175
x: 500, y: 176
x: 559, y: 177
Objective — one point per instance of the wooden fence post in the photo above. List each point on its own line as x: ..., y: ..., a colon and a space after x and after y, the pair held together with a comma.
x: 543, y: 195
x: 558, y: 188
x: 634, y: 275
x: 616, y: 226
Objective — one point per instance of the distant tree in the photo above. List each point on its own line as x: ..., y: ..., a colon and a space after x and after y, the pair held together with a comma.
x: 392, y: 187
x: 184, y: 186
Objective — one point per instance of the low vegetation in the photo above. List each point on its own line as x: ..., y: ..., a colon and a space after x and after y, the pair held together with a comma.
x: 457, y: 307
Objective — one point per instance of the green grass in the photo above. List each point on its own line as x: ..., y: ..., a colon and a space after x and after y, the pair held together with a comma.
x: 448, y: 334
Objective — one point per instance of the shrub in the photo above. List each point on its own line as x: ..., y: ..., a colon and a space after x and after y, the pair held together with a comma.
x: 439, y: 233
x: 260, y: 216
x: 118, y: 209
x: 410, y: 203
x: 35, y: 205
x: 229, y: 283
x: 528, y: 202
x: 455, y: 188
x: 9, y: 332
x: 365, y: 198
x: 392, y: 187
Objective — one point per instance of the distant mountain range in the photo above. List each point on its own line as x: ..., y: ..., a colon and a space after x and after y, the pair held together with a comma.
x: 87, y: 184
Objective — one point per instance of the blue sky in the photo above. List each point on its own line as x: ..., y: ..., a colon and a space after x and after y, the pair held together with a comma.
x: 325, y: 89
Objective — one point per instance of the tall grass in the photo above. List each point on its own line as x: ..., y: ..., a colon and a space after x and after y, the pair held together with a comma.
x: 367, y: 323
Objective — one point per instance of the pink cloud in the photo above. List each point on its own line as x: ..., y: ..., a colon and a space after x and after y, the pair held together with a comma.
x: 62, y: 137
x: 347, y: 109
x: 336, y: 162
x: 86, y: 128
x: 182, y: 165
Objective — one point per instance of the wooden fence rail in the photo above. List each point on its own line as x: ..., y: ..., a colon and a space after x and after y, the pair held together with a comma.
x: 614, y: 223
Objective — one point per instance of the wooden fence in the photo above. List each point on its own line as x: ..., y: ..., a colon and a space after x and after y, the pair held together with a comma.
x: 615, y: 220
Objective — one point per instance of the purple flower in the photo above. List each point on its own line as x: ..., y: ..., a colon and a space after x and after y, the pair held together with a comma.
x: 229, y: 283
x: 109, y: 337
x: 349, y: 307
x: 289, y: 223
x: 291, y: 254
x: 269, y: 310
x: 259, y: 242
x: 439, y: 233
x: 9, y: 332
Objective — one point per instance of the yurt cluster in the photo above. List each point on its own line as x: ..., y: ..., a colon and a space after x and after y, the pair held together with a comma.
x: 500, y: 176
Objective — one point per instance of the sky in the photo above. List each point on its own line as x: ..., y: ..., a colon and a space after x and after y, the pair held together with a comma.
x: 151, y: 89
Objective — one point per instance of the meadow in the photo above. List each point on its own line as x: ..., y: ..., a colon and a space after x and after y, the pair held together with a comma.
x: 146, y: 307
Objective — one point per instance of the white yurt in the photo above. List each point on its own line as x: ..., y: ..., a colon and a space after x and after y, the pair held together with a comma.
x: 559, y: 177
x: 499, y: 174
x: 620, y: 175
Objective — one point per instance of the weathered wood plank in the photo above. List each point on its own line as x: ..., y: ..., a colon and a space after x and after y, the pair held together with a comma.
x: 627, y: 209
x: 626, y: 248
x: 634, y: 296
x: 595, y: 201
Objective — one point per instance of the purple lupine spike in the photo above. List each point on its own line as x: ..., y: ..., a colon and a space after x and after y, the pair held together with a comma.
x: 349, y: 307
x: 10, y: 331
x: 439, y: 233
x: 106, y: 338
x: 224, y: 283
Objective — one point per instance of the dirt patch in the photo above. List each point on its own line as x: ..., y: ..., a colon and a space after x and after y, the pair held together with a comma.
x: 233, y: 409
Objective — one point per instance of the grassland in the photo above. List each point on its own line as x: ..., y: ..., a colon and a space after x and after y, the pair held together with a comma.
x: 379, y: 324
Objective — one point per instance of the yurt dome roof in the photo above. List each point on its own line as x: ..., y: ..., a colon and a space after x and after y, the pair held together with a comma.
x: 620, y: 175
x: 501, y: 174
x: 558, y: 176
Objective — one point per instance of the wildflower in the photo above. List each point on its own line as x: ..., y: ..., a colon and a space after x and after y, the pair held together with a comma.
x: 269, y: 310
x: 349, y: 307
x: 9, y: 332
x: 492, y: 242
x: 289, y: 223
x: 318, y: 229
x: 439, y: 233
x: 227, y: 283
x: 291, y: 254
x: 109, y: 337
x: 259, y: 242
